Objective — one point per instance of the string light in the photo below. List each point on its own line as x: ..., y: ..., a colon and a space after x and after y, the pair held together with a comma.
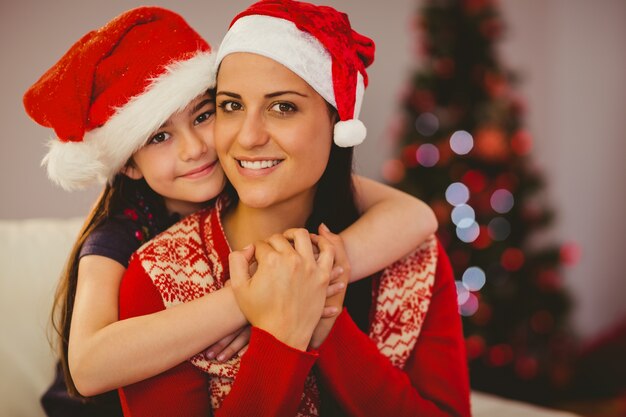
x: 461, y: 142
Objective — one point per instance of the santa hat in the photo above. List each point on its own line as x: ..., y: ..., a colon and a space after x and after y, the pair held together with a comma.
x: 318, y: 44
x: 113, y: 88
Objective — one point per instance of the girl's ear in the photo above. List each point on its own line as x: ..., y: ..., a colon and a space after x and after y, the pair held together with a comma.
x: 131, y: 171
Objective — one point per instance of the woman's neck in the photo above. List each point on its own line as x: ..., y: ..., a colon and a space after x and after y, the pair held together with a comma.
x: 244, y: 225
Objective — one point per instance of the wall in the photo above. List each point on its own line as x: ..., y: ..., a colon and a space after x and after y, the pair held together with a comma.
x: 570, y: 53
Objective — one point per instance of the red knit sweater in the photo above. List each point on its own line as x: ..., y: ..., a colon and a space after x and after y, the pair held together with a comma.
x: 270, y: 381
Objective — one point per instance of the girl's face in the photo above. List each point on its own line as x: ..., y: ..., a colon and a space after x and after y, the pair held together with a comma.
x: 179, y: 161
x: 273, y: 131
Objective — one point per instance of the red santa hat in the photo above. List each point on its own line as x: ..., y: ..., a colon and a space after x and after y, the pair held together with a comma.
x: 113, y: 88
x: 318, y: 44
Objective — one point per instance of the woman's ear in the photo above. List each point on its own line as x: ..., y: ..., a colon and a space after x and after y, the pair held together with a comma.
x: 131, y: 171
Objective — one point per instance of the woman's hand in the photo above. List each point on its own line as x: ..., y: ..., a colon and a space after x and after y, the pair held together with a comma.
x: 287, y: 293
x: 341, y: 276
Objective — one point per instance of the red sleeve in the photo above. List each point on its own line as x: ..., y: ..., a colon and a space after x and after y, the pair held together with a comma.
x: 269, y: 383
x: 181, y: 391
x: 270, y: 380
x: 435, y: 380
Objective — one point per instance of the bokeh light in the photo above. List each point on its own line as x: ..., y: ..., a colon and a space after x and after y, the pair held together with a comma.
x: 461, y: 142
x: 427, y: 124
x: 470, y: 306
x: 499, y: 228
x: 457, y: 193
x: 502, y: 201
x: 468, y: 234
x: 474, y: 278
x: 463, y: 215
x: 462, y: 292
x: 427, y: 155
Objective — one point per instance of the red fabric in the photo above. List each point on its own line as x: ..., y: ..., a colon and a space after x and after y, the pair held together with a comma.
x: 96, y: 76
x: 435, y: 379
x: 351, y: 52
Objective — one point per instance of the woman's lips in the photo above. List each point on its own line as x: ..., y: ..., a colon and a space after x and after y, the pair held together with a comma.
x: 258, y: 166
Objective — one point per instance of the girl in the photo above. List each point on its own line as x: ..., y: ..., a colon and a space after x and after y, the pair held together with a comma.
x: 277, y: 128
x: 129, y: 104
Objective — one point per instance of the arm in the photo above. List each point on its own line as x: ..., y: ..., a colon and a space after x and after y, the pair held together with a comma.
x: 271, y: 374
x: 105, y: 353
x: 392, y: 225
x: 434, y: 381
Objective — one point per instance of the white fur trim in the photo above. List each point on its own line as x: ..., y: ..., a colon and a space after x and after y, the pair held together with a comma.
x: 282, y: 41
x: 349, y: 133
x: 105, y: 150
x: 73, y: 165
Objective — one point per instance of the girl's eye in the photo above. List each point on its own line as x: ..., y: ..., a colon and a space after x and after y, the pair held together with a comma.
x: 230, y: 106
x: 159, y: 138
x: 204, y: 117
x: 284, y: 108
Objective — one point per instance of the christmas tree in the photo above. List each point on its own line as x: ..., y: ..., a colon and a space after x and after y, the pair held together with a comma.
x: 464, y: 150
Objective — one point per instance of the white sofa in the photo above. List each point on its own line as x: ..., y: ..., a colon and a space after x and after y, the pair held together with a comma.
x: 32, y: 253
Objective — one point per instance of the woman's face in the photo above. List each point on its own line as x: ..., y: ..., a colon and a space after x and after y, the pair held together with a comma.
x: 273, y: 132
x: 179, y: 161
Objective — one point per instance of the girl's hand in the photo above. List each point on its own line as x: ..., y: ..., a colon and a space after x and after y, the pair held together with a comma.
x: 341, y: 276
x: 286, y: 294
x: 231, y: 345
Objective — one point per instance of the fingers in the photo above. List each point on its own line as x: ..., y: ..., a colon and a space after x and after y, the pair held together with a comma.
x: 280, y: 243
x: 341, y: 256
x: 327, y: 254
x: 335, y: 288
x: 330, y: 311
x: 302, y: 242
x: 217, y: 348
x: 239, y: 261
x: 236, y: 345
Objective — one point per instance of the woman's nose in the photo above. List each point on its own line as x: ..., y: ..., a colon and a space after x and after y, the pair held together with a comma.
x: 192, y: 145
x: 253, y: 132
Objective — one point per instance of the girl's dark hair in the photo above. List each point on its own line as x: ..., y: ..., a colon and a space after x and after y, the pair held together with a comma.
x: 118, y: 195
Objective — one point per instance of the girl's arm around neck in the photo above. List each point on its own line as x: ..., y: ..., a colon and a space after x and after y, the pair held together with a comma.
x: 392, y: 225
x: 105, y: 353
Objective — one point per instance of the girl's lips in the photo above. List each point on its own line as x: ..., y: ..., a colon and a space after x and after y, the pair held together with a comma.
x: 201, y: 171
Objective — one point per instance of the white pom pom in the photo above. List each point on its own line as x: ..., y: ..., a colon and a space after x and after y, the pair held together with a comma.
x: 349, y: 133
x: 74, y: 165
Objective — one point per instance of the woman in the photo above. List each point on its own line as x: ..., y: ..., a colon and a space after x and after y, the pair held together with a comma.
x: 290, y: 83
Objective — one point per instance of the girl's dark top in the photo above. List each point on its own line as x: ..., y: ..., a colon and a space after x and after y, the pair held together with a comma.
x: 117, y: 238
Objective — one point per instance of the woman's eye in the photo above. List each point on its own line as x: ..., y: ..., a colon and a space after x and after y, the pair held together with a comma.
x: 284, y: 108
x: 159, y: 138
x: 230, y: 106
x: 204, y: 117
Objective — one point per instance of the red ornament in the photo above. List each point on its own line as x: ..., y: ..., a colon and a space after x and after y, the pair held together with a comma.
x: 521, y: 142
x: 483, y: 240
x: 482, y: 315
x: 500, y: 355
x: 570, y: 253
x: 549, y: 280
x: 444, y: 67
x: 526, y: 367
x: 475, y: 180
x: 409, y: 155
x: 490, y: 144
x: 474, y: 346
x: 542, y: 322
x: 512, y: 259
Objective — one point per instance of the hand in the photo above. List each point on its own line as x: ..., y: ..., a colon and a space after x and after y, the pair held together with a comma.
x: 286, y: 294
x: 341, y: 276
x: 227, y: 347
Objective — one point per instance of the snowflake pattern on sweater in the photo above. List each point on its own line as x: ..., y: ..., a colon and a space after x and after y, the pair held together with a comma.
x: 187, y: 261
